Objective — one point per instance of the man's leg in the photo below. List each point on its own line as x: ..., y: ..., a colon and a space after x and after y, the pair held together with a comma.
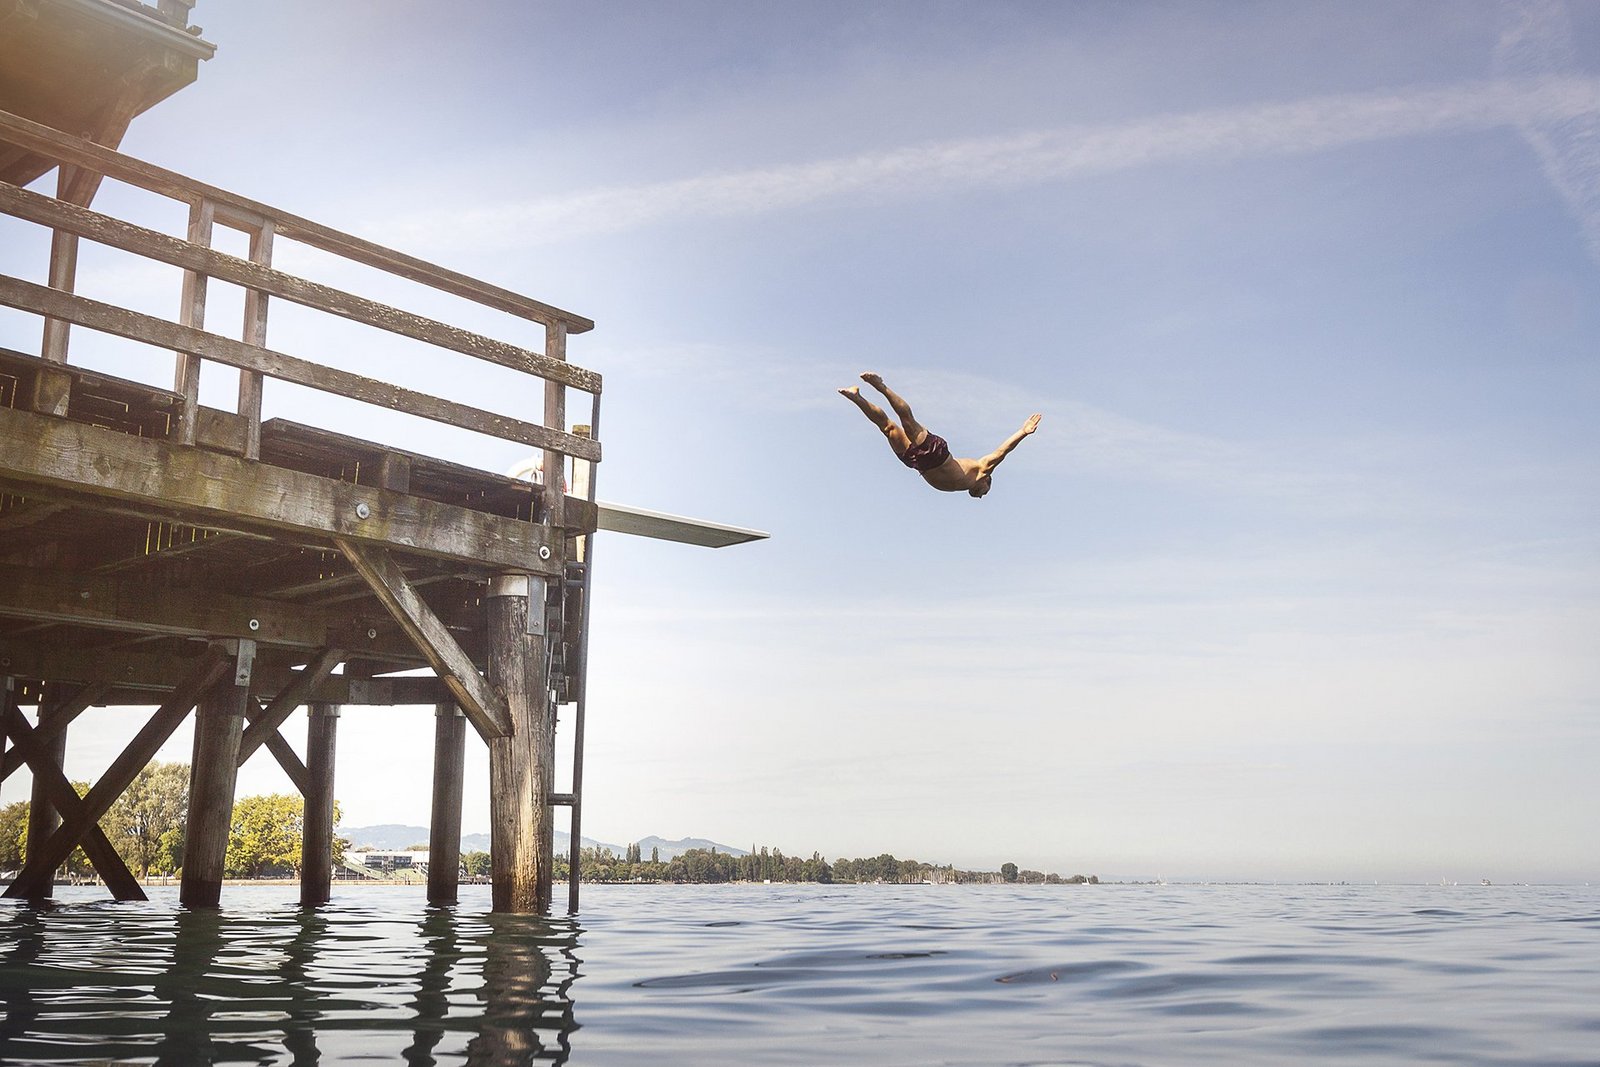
x: 896, y: 436
x: 913, y: 429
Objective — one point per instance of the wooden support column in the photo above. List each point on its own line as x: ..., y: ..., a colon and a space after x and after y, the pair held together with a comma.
x: 444, y: 834
x: 521, y: 763
x: 219, y: 725
x: 43, y: 818
x: 316, y: 842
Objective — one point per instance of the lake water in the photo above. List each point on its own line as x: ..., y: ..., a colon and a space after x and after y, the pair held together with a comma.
x: 914, y: 975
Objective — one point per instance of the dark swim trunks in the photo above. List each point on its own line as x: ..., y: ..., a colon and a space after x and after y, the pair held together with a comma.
x: 927, y: 454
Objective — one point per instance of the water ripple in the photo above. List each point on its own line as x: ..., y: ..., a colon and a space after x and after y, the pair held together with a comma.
x: 666, y: 975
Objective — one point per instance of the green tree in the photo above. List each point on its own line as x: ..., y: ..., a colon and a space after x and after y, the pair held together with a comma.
x: 169, y: 852
x: 149, y: 818
x: 265, y: 833
x: 265, y: 836
x: 476, y: 863
x: 1008, y: 872
x: 14, y: 847
x: 13, y: 834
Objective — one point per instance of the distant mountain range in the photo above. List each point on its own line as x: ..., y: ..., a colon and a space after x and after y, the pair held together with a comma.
x: 395, y: 837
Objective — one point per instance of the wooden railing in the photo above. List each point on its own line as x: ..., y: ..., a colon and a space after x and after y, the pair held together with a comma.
x: 187, y: 337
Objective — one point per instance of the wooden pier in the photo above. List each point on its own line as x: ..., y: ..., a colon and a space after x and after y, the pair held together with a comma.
x: 159, y: 552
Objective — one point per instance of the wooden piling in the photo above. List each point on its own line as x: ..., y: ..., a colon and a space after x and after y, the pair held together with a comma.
x: 444, y: 835
x: 43, y: 818
x: 316, y: 841
x: 520, y: 763
x: 219, y: 725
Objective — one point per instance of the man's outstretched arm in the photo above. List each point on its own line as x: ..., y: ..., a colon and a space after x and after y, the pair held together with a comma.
x: 988, y: 463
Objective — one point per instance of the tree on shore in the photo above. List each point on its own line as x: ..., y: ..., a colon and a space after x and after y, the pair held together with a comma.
x: 14, y: 846
x: 146, y: 824
x: 708, y: 866
x: 13, y: 835
x: 264, y: 837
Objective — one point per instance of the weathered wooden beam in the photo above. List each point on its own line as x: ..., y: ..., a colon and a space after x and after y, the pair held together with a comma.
x: 146, y: 606
x: 52, y: 782
x: 212, y: 540
x: 316, y: 839
x: 481, y: 703
x: 28, y: 514
x: 257, y: 277
x: 66, y: 148
x: 444, y: 824
x: 211, y: 489
x: 40, y: 865
x: 148, y: 511
x: 289, y: 760
x: 267, y: 721
x: 125, y: 677
x: 108, y: 318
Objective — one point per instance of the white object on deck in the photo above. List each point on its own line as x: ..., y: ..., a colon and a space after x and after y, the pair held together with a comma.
x: 619, y: 518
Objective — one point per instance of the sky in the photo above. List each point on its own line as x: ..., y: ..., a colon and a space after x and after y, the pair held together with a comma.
x: 1298, y: 579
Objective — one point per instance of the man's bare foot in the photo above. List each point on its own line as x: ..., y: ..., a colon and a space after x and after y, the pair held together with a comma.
x: 873, y: 379
x: 851, y: 393
x: 1032, y: 424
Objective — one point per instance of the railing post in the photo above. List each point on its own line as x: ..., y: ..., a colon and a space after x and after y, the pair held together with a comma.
x: 255, y: 333
x: 202, y: 216
x: 555, y: 417
x: 63, y: 273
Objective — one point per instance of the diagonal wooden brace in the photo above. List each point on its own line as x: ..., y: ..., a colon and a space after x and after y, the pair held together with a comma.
x: 85, y: 698
x: 482, y: 704
x: 40, y: 866
x: 264, y: 724
x: 101, y: 852
x: 275, y: 743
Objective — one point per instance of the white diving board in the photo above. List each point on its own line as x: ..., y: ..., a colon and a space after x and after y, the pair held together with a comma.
x: 619, y: 518
x: 641, y: 522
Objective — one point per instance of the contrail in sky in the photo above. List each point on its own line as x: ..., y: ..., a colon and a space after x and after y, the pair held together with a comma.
x: 1537, y: 41
x: 1548, y: 109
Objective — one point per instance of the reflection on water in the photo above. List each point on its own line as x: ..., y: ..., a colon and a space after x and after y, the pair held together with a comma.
x: 806, y: 975
x: 376, y: 977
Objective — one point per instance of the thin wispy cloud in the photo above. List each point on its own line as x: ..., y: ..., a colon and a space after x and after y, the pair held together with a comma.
x: 1541, y: 103
x: 1537, y: 42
